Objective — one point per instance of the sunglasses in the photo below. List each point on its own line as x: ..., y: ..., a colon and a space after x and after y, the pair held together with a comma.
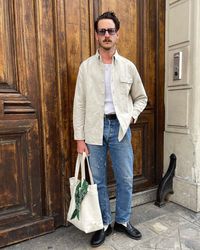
x: 102, y: 32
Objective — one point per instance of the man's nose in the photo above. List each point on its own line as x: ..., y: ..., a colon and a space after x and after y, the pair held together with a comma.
x: 107, y: 34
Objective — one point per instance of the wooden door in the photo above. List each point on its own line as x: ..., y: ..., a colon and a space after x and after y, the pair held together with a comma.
x: 142, y: 41
x: 32, y: 157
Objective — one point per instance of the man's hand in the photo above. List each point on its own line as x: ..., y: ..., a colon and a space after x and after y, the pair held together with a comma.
x: 132, y: 120
x: 81, y: 147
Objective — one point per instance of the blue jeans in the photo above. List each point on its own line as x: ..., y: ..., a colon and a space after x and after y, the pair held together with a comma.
x: 122, y: 163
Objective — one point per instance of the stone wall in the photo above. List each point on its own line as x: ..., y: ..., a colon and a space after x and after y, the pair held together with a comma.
x: 182, y: 99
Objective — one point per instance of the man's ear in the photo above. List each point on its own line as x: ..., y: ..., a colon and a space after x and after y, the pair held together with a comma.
x: 96, y: 36
x: 117, y: 33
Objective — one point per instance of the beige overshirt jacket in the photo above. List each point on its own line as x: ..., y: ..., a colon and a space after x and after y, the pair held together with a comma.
x: 129, y: 97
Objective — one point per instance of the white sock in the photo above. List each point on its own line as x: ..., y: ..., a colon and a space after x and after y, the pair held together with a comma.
x: 105, y: 227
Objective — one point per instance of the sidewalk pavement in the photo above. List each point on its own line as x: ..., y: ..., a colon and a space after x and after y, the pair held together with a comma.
x: 171, y: 227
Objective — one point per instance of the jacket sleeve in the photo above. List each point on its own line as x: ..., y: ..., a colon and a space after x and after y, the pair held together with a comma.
x: 138, y: 95
x: 79, y: 106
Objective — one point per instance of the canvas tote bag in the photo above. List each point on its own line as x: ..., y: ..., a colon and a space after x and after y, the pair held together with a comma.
x: 84, y: 210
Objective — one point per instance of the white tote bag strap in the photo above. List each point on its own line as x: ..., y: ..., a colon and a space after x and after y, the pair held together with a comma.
x: 84, y: 156
x: 90, y: 172
x: 77, y: 167
x: 83, y: 166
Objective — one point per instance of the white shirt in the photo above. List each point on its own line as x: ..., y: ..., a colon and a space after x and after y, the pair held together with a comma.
x: 109, y: 106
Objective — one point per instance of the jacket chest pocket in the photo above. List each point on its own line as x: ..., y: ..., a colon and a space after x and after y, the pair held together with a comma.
x: 125, y: 85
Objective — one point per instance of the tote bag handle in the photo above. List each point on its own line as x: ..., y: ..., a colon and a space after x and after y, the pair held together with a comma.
x: 81, y: 161
x: 85, y: 157
x: 77, y: 166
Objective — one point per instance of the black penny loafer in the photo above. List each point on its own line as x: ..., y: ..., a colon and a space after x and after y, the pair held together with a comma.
x: 99, y: 236
x: 129, y: 230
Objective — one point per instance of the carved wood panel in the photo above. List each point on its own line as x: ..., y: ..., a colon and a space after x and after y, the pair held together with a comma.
x: 7, y: 59
x: 23, y: 212
x: 16, y: 168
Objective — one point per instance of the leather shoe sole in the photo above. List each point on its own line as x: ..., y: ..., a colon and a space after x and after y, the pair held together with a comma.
x: 130, y: 230
x: 99, y: 236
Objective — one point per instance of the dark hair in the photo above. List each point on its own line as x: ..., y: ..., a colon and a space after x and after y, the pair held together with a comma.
x: 107, y: 15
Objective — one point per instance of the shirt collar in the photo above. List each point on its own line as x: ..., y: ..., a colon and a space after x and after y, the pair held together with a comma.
x: 115, y: 56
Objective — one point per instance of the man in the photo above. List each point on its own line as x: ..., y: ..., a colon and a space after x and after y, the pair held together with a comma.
x: 109, y: 96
